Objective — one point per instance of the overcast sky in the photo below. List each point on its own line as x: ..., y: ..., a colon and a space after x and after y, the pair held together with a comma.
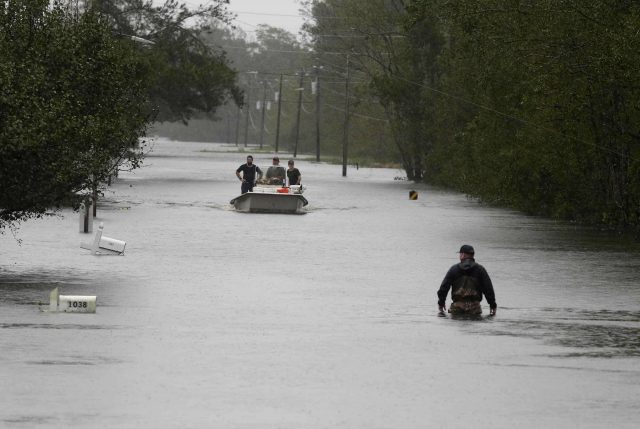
x: 277, y: 13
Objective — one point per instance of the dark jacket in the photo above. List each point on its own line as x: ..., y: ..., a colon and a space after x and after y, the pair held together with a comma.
x: 468, y: 281
x: 249, y: 172
x: 294, y: 176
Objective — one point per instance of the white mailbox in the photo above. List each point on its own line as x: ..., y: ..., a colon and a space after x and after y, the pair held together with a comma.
x: 71, y: 303
x: 105, y: 245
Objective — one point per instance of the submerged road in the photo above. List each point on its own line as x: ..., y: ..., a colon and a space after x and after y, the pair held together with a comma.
x: 214, y: 318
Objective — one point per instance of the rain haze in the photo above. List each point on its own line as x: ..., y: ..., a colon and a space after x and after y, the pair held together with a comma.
x: 208, y: 315
x: 275, y: 13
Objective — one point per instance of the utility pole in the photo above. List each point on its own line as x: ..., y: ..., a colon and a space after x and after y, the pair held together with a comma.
x: 345, y: 141
x: 246, y: 119
x: 317, y: 114
x: 300, y: 89
x: 237, y: 124
x: 246, y: 123
x: 263, y: 108
x: 278, y: 120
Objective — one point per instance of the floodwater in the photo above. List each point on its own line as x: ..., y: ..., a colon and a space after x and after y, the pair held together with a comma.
x: 219, y: 319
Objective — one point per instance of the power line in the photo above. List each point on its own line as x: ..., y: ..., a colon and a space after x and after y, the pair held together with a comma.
x: 305, y: 110
x: 246, y: 23
x: 265, y: 14
x: 279, y: 51
x: 286, y: 14
x: 507, y: 115
x: 353, y: 36
x: 483, y: 107
x: 354, y: 97
x: 283, y: 51
x: 437, y: 91
x: 339, y: 109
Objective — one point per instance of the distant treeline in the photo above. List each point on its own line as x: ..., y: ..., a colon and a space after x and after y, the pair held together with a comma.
x: 530, y: 105
x: 280, y: 72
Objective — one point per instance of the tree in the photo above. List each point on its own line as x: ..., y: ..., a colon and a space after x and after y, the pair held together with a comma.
x: 372, y: 35
x: 258, y: 63
x: 73, y: 104
x: 189, y: 76
x: 539, y: 106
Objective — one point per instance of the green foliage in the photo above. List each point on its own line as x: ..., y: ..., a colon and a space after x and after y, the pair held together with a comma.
x: 72, y: 105
x: 80, y: 81
x: 541, y: 105
x: 189, y: 76
x: 396, y: 48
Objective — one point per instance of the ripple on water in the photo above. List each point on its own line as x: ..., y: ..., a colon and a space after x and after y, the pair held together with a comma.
x: 28, y: 421
x: 589, y: 333
x: 56, y: 326
x: 77, y: 360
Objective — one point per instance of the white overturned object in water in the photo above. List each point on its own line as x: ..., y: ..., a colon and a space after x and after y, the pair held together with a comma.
x: 71, y: 303
x: 104, y: 245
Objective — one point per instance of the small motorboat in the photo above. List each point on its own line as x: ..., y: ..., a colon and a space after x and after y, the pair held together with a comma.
x: 271, y: 199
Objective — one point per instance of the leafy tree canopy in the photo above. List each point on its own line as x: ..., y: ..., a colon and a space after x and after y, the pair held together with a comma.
x: 73, y: 103
x: 189, y: 76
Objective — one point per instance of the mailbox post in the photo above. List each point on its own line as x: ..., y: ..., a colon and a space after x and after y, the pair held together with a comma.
x: 86, y: 219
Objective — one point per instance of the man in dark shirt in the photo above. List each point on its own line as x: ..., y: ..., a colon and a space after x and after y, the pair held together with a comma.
x: 468, y: 281
x: 248, y: 178
x: 293, y: 174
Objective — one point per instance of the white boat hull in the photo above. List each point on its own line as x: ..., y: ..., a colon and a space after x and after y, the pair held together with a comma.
x: 256, y: 202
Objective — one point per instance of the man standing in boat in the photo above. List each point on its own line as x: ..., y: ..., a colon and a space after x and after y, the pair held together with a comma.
x: 468, y: 281
x: 275, y: 173
x: 293, y: 174
x: 249, y: 172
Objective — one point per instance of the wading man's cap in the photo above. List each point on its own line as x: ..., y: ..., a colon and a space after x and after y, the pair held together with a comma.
x: 467, y: 249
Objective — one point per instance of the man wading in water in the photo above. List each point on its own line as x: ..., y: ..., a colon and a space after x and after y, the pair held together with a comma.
x: 468, y: 282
